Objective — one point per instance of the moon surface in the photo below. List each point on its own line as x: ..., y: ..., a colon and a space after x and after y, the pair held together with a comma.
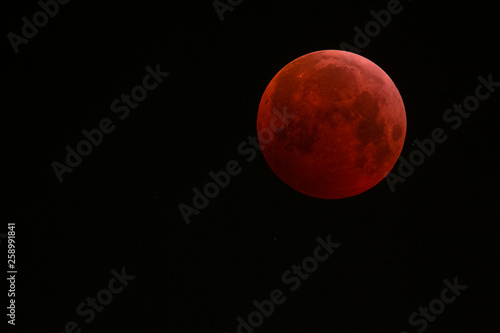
x: 331, y: 124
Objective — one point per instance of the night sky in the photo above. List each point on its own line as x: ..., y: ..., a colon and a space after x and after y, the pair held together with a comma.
x: 392, y: 251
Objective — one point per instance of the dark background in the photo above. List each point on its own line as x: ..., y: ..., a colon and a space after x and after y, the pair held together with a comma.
x: 119, y: 208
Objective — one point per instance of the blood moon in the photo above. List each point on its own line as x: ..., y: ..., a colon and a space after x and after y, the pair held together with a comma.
x: 345, y: 127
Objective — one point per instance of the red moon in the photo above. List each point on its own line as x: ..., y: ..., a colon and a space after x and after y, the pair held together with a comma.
x: 331, y: 124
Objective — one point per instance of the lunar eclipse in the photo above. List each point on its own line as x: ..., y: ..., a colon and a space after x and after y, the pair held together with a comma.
x: 348, y: 128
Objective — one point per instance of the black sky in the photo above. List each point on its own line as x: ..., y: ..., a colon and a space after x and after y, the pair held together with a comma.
x: 119, y: 207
